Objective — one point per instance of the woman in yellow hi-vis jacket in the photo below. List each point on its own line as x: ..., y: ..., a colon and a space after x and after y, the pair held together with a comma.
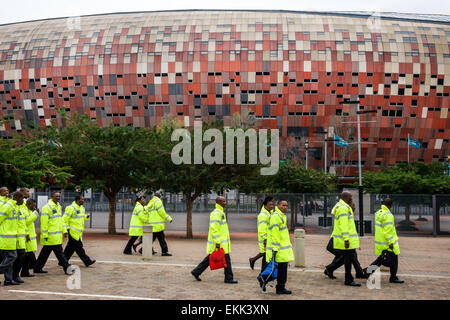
x: 279, y: 244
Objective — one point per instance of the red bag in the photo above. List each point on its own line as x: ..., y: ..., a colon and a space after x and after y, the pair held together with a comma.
x: 217, y: 259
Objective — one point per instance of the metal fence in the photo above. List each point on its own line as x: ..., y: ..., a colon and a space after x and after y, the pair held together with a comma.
x: 427, y: 214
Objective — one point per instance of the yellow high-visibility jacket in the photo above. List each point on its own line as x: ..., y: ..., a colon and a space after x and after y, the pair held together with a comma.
x: 385, y: 233
x: 74, y: 217
x: 278, y: 238
x: 138, y: 219
x: 263, y: 227
x: 218, y: 231
x: 157, y: 215
x: 8, y: 225
x: 52, y: 224
x: 31, y: 216
x: 344, y: 227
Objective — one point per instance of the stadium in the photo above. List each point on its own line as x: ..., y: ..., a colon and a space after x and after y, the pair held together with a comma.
x: 286, y: 70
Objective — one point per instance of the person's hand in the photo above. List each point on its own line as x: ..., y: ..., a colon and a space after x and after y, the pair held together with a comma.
x: 218, y: 245
x: 347, y: 244
x: 88, y: 216
x: 171, y: 221
x: 46, y: 239
x: 37, y: 209
x: 391, y: 246
x: 27, y: 238
x: 66, y: 235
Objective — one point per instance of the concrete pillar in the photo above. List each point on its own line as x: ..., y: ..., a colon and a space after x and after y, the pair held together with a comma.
x: 299, y: 253
x: 147, y: 242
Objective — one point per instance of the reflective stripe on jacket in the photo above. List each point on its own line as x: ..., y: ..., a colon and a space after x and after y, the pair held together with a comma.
x: 278, y: 238
x: 218, y: 231
x: 385, y: 233
x: 74, y: 217
x: 138, y: 219
x: 263, y: 227
x: 52, y: 224
x: 8, y: 225
x: 344, y: 227
x: 157, y: 215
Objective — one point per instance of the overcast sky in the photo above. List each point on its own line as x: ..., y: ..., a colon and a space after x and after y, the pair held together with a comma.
x: 24, y: 10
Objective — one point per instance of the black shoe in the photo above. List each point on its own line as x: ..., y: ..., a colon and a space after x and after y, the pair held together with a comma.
x: 90, y: 263
x: 28, y: 275
x: 196, y: 276
x: 396, y: 281
x: 283, y: 291
x: 65, y: 270
x: 129, y: 253
x: 140, y: 251
x: 362, y: 276
x: 252, y: 263
x: 329, y: 274
x: 261, y: 283
x: 11, y: 283
x: 166, y: 254
x: 353, y: 284
x: 17, y: 279
x: 231, y: 281
x: 40, y: 271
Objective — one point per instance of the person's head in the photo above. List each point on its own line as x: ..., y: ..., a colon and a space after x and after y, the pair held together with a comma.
x: 25, y: 191
x: 79, y: 199
x: 56, y: 196
x: 158, y: 194
x: 4, y: 191
x: 31, y: 204
x: 346, y: 197
x: 18, y: 197
x: 221, y: 201
x: 140, y: 199
x: 268, y: 203
x: 388, y: 202
x: 282, y: 205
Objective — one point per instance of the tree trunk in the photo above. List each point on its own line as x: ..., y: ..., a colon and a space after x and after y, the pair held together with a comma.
x: 112, y: 211
x: 189, y: 203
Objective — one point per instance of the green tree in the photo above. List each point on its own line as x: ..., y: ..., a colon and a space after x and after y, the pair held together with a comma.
x: 105, y: 158
x: 403, y: 179
x: 193, y: 180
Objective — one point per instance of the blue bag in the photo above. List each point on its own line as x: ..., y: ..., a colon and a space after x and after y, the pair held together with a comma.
x: 269, y: 274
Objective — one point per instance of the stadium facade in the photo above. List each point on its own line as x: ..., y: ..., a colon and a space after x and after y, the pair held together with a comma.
x: 266, y: 69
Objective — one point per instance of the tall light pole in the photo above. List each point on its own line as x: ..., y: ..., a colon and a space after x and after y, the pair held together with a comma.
x: 360, y: 186
x: 306, y: 148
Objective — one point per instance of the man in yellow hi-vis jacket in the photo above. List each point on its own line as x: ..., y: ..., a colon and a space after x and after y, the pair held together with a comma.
x: 139, y: 217
x: 279, y: 244
x: 345, y: 236
x: 74, y: 217
x: 218, y: 237
x: 51, y: 237
x: 157, y: 218
x: 386, y: 240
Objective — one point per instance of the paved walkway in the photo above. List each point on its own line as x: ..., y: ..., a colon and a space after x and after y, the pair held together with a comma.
x: 423, y: 264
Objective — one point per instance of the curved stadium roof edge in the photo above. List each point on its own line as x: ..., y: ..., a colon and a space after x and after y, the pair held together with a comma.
x: 413, y: 17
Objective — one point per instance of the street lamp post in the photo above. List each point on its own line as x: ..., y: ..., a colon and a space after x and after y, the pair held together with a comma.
x: 360, y: 186
x: 306, y: 148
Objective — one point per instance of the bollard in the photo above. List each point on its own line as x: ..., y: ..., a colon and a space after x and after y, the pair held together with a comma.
x: 147, y: 242
x: 299, y: 253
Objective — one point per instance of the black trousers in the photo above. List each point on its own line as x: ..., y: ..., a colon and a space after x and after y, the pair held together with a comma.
x: 45, y: 253
x: 393, y: 267
x: 202, y: 266
x: 130, y: 243
x: 338, y: 260
x: 282, y: 274
x: 19, y: 262
x: 76, y: 246
x: 264, y: 263
x: 349, y: 257
x: 7, y: 258
x: 162, y: 241
x: 28, y: 263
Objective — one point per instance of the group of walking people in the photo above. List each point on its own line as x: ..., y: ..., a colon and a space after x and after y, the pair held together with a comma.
x: 18, y: 238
